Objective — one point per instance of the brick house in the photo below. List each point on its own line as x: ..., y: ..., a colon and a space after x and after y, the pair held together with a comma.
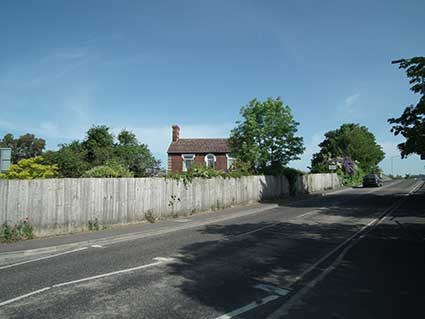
x: 183, y: 153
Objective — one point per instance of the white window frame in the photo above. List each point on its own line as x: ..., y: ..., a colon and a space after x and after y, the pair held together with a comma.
x: 187, y: 157
x: 206, y: 159
x: 230, y: 159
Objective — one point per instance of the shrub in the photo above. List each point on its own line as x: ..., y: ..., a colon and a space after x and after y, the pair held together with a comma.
x: 31, y: 168
x: 203, y: 171
x: 21, y: 231
x: 353, y: 179
x: 110, y: 169
x: 93, y: 224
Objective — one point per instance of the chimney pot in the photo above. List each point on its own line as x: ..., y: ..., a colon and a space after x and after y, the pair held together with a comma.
x: 176, y: 133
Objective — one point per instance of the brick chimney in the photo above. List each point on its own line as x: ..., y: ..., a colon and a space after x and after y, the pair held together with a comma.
x: 176, y: 133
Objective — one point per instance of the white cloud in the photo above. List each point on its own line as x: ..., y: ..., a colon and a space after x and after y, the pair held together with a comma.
x: 347, y: 107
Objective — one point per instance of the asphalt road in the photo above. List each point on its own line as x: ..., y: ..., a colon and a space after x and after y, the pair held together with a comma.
x: 283, y: 262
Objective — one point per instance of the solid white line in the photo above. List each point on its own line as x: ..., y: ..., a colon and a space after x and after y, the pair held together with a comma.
x: 312, y: 212
x: 109, y: 274
x: 42, y: 258
x: 23, y: 296
x: 161, y: 261
x: 248, y: 307
x: 387, y: 211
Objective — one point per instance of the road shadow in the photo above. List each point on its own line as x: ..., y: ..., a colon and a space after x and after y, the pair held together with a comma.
x: 221, y: 274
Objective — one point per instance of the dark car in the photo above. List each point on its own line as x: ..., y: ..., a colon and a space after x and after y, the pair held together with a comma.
x: 372, y: 180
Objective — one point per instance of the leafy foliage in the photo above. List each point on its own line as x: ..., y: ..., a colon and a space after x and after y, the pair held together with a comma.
x: 20, y: 231
x: 93, y: 225
x: 411, y: 124
x: 203, y: 171
x: 350, y: 141
x: 353, y: 179
x: 266, y: 135
x: 31, y: 168
x: 135, y: 156
x: 26, y: 146
x: 99, y: 154
x: 110, y: 169
x: 70, y: 158
x: 98, y: 145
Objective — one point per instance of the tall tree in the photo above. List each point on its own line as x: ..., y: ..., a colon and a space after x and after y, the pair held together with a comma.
x: 411, y: 124
x: 349, y: 141
x: 265, y: 138
x: 99, y: 145
x: 26, y: 146
x: 70, y: 158
x: 135, y: 156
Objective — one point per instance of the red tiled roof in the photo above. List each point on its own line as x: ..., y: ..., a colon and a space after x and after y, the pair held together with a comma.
x: 200, y: 145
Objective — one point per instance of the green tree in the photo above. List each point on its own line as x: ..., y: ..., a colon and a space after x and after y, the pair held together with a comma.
x: 70, y: 158
x: 135, y: 156
x: 349, y: 141
x: 411, y: 124
x: 100, y: 148
x: 99, y: 145
x: 265, y: 138
x: 26, y: 146
x: 31, y: 168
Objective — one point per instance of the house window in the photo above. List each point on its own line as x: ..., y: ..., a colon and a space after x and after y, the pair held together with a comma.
x: 230, y: 161
x: 188, y: 160
x: 210, y: 160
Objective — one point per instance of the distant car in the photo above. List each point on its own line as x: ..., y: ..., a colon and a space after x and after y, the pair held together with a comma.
x: 372, y: 180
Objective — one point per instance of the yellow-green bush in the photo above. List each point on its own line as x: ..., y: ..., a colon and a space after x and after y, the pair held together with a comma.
x: 31, y: 168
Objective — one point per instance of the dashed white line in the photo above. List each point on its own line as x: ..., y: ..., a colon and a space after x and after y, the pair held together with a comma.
x: 248, y: 307
x: 272, y: 289
x: 42, y: 258
x: 24, y: 296
x: 283, y: 310
x: 159, y: 261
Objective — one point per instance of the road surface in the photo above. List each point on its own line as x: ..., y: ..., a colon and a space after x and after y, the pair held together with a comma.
x: 357, y: 253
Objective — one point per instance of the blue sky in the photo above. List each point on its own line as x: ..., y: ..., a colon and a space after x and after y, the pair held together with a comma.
x: 67, y: 65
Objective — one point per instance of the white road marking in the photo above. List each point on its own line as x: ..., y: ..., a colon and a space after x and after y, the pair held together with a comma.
x: 164, y: 259
x: 248, y: 307
x: 312, y: 212
x: 160, y: 261
x: 23, y: 296
x: 272, y: 289
x: 182, y: 220
x: 42, y: 258
x: 279, y: 292
x: 282, y: 311
x: 255, y: 230
x: 96, y: 246
x: 157, y: 263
